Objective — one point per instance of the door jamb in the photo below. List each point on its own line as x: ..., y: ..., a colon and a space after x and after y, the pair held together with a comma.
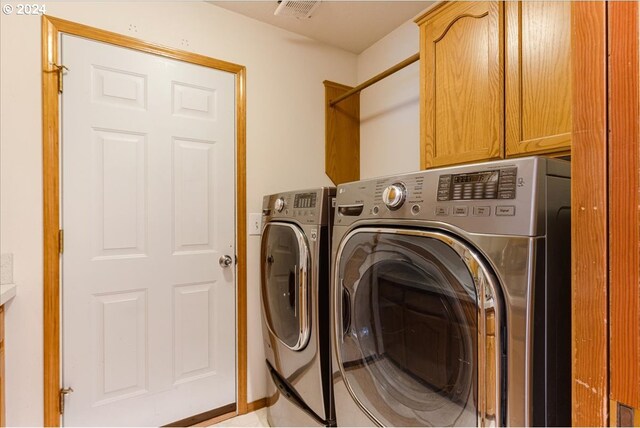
x: 51, y: 28
x: 589, y: 215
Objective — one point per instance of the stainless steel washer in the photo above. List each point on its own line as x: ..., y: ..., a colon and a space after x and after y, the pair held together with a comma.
x: 451, y: 297
x: 295, y: 273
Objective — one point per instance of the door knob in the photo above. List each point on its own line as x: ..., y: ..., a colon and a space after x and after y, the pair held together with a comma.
x: 225, y: 261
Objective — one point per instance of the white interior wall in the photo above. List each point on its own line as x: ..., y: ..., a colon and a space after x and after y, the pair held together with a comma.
x: 285, y: 146
x: 389, y: 110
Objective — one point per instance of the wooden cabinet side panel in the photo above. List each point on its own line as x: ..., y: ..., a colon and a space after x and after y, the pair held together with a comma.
x: 342, y: 135
x: 538, y: 77
x: 462, y: 83
x: 624, y: 202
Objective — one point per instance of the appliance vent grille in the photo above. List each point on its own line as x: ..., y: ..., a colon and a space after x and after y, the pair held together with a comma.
x: 297, y: 8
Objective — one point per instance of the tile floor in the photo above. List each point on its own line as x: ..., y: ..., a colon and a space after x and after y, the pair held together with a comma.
x: 253, y: 419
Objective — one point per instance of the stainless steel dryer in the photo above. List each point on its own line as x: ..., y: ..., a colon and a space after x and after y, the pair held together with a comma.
x: 295, y: 274
x: 451, y: 297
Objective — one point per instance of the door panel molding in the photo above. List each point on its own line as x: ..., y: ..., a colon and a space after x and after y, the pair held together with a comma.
x: 51, y: 29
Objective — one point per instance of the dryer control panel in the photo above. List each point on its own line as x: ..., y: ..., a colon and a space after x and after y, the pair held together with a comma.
x: 498, y: 184
x: 503, y: 197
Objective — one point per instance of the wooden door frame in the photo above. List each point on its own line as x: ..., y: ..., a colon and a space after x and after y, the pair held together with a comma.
x: 51, y: 29
x: 589, y: 215
x: 606, y: 220
x: 624, y: 200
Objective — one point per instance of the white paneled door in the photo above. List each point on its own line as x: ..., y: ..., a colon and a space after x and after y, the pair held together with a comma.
x: 148, y: 150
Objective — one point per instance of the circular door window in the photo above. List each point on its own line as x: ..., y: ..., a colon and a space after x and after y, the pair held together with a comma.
x: 285, y: 284
x: 408, y: 351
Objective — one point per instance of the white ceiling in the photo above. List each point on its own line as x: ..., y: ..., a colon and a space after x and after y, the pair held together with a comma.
x: 350, y: 25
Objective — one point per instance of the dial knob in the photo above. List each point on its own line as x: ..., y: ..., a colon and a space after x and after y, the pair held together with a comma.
x: 279, y: 206
x: 394, y: 196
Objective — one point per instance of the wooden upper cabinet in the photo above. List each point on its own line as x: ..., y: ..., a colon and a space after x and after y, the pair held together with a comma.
x: 461, y: 83
x: 538, y: 77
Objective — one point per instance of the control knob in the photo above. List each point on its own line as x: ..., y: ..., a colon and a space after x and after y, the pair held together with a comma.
x: 279, y: 205
x: 394, y: 196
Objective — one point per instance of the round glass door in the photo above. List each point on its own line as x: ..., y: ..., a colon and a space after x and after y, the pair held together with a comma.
x: 285, y: 283
x: 409, y: 329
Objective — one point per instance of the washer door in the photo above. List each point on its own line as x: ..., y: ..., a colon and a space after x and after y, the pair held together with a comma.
x: 411, y: 335
x: 285, y: 284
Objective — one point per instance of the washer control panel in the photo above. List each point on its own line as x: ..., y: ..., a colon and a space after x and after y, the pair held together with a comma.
x: 496, y: 184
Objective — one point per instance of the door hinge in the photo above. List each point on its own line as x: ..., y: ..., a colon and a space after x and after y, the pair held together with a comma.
x: 63, y: 393
x: 60, y: 241
x: 60, y: 70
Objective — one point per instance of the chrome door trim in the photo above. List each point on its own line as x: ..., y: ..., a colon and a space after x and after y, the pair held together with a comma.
x: 488, y: 291
x: 302, y: 296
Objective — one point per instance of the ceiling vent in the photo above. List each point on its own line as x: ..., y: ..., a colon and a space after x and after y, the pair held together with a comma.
x: 297, y: 8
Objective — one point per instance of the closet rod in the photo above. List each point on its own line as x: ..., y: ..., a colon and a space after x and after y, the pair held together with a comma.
x: 376, y: 78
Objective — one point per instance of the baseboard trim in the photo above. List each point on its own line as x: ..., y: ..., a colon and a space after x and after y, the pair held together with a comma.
x: 216, y: 420
x: 218, y: 415
x: 256, y: 405
x: 229, y: 409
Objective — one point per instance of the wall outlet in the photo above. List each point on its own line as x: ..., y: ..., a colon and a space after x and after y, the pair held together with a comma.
x: 255, y: 223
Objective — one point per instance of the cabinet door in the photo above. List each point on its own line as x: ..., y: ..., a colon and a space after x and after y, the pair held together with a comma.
x: 461, y: 83
x: 538, y: 77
